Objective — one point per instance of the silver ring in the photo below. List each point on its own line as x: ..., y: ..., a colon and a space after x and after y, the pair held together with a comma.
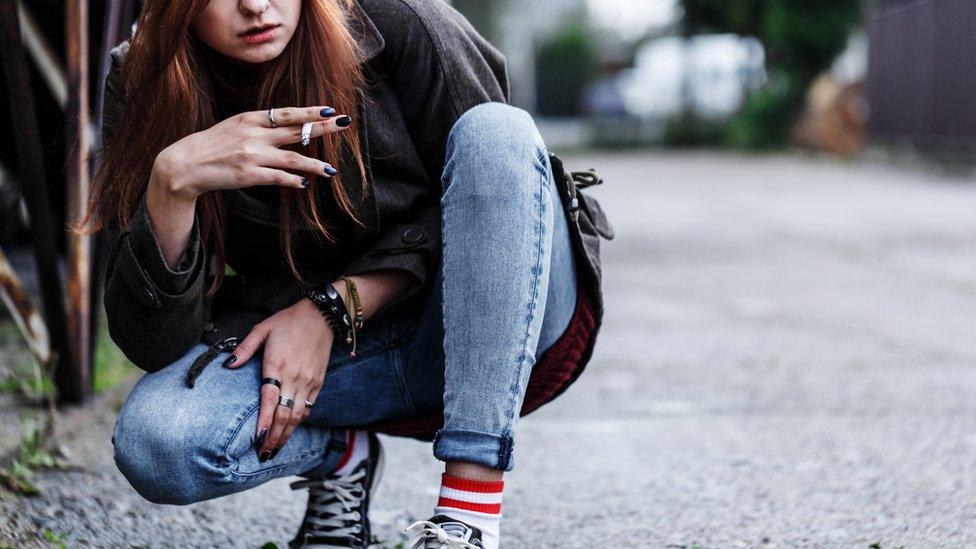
x: 271, y: 118
x: 308, y: 404
x: 306, y: 133
x: 286, y: 402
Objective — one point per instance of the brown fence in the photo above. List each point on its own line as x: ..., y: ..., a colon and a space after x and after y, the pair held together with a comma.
x: 922, y: 72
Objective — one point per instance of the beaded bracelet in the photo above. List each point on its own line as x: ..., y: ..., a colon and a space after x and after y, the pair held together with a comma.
x: 359, y: 317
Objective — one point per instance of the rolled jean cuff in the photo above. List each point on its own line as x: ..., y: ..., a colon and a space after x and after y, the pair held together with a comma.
x: 486, y: 449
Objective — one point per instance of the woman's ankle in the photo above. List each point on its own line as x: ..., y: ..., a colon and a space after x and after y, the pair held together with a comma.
x: 473, y: 471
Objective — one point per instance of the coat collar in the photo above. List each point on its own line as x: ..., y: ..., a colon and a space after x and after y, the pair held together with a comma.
x: 368, y: 38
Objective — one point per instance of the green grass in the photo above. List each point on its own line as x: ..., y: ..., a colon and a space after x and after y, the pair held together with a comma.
x: 54, y: 539
x: 111, y: 367
x: 31, y: 456
x: 22, y: 373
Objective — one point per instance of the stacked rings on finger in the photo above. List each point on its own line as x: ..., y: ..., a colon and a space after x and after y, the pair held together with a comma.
x: 271, y: 381
x: 271, y: 118
x: 308, y: 404
x: 286, y: 402
x: 306, y: 133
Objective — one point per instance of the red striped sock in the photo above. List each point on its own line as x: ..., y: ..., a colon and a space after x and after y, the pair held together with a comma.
x: 357, y: 449
x: 474, y: 502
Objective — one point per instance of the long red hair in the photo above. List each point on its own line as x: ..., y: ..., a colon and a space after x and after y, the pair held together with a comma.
x: 167, y: 71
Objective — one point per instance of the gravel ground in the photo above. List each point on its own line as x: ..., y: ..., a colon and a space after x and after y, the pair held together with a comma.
x: 787, y: 362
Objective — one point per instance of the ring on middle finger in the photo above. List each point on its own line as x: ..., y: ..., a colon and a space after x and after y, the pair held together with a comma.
x: 286, y: 402
x: 306, y: 133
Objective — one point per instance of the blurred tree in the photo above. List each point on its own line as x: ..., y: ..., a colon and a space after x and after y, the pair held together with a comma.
x: 483, y: 14
x: 801, y: 40
x: 565, y: 65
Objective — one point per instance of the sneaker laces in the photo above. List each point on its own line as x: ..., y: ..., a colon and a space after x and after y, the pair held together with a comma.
x: 333, y: 505
x: 429, y: 535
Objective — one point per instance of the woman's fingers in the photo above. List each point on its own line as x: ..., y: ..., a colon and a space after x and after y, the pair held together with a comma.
x: 293, y: 134
x: 280, y: 420
x: 269, y: 402
x: 313, y: 395
x: 295, y: 161
x: 248, y: 346
x: 287, y: 116
x: 297, y: 416
x: 272, y: 176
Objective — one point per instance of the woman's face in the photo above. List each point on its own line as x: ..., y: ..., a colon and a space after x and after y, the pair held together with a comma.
x: 228, y: 26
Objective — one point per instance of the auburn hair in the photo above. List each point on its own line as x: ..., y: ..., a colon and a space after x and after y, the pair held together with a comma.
x: 167, y: 70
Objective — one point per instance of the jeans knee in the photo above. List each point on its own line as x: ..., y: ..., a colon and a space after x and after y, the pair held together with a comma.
x: 163, y: 462
x: 494, y: 139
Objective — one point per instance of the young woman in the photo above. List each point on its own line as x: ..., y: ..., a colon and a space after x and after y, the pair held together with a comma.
x: 331, y: 199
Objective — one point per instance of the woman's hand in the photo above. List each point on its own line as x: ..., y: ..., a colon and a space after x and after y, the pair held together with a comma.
x: 241, y: 151
x: 297, y: 346
x: 244, y: 150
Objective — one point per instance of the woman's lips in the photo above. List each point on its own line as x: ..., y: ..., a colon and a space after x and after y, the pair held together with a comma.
x: 261, y: 35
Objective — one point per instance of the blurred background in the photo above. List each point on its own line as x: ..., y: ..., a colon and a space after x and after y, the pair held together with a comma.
x: 788, y: 351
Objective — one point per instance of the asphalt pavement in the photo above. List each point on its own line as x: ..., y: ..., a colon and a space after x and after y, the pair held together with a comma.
x: 788, y: 360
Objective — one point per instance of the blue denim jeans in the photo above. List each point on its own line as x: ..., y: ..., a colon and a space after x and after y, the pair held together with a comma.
x: 505, y: 292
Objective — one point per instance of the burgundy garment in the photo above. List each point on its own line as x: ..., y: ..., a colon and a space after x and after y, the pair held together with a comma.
x: 556, y: 369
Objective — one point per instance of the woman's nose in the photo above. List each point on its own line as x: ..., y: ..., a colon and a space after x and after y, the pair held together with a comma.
x: 254, y: 7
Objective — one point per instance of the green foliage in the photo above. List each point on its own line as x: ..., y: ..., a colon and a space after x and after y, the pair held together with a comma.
x: 54, y: 539
x: 565, y: 65
x: 801, y: 40
x: 110, y: 367
x: 31, y: 456
x: 690, y: 130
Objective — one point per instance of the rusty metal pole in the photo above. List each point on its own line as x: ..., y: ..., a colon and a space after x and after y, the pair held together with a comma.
x: 31, y: 163
x: 77, y: 180
x: 30, y: 323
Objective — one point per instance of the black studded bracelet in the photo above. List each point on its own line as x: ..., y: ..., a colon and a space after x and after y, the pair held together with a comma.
x: 328, y: 301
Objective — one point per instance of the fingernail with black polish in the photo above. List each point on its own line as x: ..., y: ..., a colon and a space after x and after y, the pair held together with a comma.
x: 275, y: 452
x: 261, y: 437
x: 304, y: 182
x: 343, y: 121
x: 230, y: 360
x: 326, y: 112
x: 330, y: 171
x: 265, y: 455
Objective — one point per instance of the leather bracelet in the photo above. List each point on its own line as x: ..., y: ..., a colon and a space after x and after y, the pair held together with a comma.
x: 328, y: 301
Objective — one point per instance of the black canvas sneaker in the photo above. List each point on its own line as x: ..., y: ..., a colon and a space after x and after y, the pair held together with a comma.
x: 337, y: 513
x: 442, y: 532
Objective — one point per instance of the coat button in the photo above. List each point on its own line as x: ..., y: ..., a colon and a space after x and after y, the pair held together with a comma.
x: 412, y: 236
x: 147, y: 297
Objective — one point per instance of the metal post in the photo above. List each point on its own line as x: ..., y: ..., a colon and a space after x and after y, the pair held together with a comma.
x: 77, y: 180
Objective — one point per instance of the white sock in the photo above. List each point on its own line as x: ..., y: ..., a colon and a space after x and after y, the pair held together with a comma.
x: 357, y: 449
x: 474, y: 502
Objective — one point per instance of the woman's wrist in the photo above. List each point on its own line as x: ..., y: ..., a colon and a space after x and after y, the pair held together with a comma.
x: 171, y: 180
x: 326, y: 297
x: 309, y: 310
x: 171, y: 215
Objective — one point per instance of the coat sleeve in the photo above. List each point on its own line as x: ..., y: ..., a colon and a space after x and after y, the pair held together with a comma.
x: 155, y: 313
x: 438, y: 67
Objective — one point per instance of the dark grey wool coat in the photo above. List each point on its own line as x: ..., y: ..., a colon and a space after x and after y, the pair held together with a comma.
x: 425, y: 66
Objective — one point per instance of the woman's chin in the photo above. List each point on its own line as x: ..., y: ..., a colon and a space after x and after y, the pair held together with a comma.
x: 257, y: 54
